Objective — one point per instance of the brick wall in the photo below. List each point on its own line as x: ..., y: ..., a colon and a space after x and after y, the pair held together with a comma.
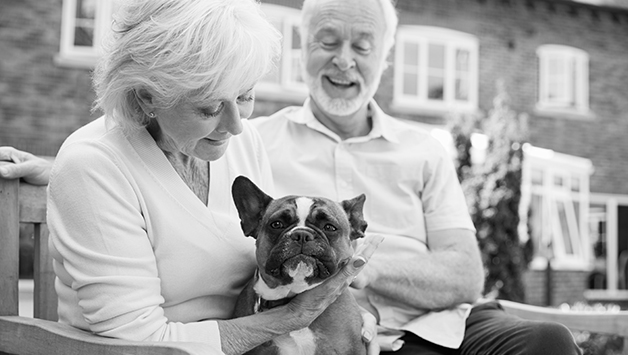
x: 509, y: 32
x: 40, y: 102
x: 566, y: 287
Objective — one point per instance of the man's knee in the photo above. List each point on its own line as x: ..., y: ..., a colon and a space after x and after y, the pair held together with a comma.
x: 551, y: 339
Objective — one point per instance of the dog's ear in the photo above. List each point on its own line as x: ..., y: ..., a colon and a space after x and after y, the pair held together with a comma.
x: 251, y: 203
x: 354, y: 208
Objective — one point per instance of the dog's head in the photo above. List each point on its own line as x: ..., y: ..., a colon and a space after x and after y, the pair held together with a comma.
x: 300, y: 240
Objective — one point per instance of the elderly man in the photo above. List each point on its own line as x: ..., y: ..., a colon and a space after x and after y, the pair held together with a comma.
x: 426, y: 275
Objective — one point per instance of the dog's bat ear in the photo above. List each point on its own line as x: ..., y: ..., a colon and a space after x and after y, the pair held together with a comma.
x: 354, y: 208
x: 251, y: 203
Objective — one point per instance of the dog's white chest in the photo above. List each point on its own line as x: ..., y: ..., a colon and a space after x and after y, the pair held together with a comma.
x: 299, y: 342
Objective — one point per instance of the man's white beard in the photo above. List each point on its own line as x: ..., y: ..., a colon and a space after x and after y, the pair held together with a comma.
x: 337, y: 106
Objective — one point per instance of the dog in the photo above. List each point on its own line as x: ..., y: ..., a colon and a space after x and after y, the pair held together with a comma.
x: 300, y: 242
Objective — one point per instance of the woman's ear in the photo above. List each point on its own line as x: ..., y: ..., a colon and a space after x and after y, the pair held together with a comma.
x: 145, y: 100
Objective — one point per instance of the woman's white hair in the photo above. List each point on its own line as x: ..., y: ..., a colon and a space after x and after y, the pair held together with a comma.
x: 194, y: 50
x: 388, y: 10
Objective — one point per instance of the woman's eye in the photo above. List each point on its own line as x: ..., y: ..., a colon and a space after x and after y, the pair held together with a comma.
x: 212, y: 111
x: 246, y: 98
x: 276, y: 225
x: 330, y: 228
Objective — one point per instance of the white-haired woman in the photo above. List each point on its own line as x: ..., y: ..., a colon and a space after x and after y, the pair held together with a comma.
x: 145, y: 238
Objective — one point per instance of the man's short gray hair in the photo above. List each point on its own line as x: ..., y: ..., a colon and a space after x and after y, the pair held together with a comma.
x: 388, y: 10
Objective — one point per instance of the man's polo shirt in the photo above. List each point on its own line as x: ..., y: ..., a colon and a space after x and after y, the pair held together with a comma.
x: 411, y: 189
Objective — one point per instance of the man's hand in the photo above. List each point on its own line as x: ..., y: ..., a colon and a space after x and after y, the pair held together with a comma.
x: 32, y: 169
x: 369, y: 332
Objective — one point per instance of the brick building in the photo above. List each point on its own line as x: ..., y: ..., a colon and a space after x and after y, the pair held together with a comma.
x: 563, y: 63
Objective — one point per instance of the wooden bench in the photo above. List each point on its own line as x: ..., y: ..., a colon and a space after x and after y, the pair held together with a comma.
x: 24, y: 203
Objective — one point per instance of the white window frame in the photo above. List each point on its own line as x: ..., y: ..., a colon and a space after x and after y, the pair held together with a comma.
x: 575, y: 199
x: 287, y: 89
x: 573, y: 89
x: 452, y: 40
x: 82, y: 56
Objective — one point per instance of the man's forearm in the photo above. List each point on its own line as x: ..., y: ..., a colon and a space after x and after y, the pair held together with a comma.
x: 449, y: 273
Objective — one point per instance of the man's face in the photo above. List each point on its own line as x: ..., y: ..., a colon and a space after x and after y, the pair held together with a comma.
x: 344, y: 54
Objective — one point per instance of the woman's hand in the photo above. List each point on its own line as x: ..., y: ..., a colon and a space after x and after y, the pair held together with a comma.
x: 32, y: 169
x: 310, y: 304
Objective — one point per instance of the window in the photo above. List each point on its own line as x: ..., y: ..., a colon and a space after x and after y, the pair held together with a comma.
x: 285, y: 80
x: 84, y: 24
x: 555, y: 208
x: 435, y: 69
x: 563, y: 79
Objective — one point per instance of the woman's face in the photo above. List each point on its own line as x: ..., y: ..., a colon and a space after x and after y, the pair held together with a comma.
x: 202, y: 130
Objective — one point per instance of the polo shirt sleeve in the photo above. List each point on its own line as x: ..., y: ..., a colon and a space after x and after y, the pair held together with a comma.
x: 444, y: 203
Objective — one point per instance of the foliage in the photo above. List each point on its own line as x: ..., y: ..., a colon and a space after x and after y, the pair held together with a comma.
x: 493, y: 191
x: 593, y: 343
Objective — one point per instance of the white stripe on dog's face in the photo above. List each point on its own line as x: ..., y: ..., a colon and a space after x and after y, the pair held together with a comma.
x: 304, y: 204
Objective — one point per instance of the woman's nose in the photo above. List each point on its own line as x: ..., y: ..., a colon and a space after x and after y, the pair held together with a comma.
x: 231, y: 121
x: 344, y: 58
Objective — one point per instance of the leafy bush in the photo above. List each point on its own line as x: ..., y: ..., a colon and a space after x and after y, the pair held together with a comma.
x: 493, y: 191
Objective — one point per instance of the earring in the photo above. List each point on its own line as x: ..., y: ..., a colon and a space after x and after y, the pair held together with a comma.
x: 152, y: 115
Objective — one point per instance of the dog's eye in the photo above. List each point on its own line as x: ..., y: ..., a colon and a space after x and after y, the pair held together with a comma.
x: 276, y: 225
x: 330, y: 228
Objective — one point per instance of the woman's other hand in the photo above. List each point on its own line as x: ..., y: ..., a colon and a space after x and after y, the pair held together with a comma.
x: 32, y: 169
x: 310, y: 304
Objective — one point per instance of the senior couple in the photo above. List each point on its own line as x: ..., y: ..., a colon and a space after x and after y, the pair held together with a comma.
x: 144, y: 234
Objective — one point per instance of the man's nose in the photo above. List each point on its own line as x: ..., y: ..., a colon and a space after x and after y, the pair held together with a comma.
x: 344, y: 58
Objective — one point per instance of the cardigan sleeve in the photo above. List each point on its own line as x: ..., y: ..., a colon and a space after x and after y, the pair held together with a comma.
x: 104, y: 254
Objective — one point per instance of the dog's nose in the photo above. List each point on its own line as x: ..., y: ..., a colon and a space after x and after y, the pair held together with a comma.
x: 301, y: 236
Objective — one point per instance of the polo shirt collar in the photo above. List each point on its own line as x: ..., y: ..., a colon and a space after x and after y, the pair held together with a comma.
x: 381, y: 123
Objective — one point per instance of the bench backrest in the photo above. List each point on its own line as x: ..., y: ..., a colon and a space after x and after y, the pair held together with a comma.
x: 24, y: 203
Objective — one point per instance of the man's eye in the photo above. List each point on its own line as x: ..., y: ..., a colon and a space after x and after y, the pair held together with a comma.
x: 363, y: 47
x: 330, y: 228
x: 276, y: 225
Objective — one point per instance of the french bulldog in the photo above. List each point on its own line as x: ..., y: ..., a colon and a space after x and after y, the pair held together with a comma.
x: 300, y: 242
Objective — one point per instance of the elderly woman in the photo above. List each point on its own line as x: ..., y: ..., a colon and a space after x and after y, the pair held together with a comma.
x: 144, y: 234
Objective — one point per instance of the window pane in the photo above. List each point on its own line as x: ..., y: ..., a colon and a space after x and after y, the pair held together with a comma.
x: 86, y: 9
x: 556, y: 79
x: 410, y: 84
x: 296, y: 38
x: 575, y: 183
x: 562, y: 218
x: 274, y: 76
x: 537, y: 177
x: 295, y: 69
x: 83, y: 36
x: 462, y: 60
x: 436, y: 86
x: 536, y: 226
x: 84, y: 28
x: 558, y: 180
x: 411, y: 54
x: 436, y: 56
x: 462, y: 89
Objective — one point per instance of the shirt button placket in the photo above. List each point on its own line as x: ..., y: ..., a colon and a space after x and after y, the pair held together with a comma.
x: 344, y: 176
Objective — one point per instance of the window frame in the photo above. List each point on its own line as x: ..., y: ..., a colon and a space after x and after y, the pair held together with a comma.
x: 286, y: 89
x: 574, y: 87
x: 452, y: 40
x: 575, y: 199
x: 72, y: 55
